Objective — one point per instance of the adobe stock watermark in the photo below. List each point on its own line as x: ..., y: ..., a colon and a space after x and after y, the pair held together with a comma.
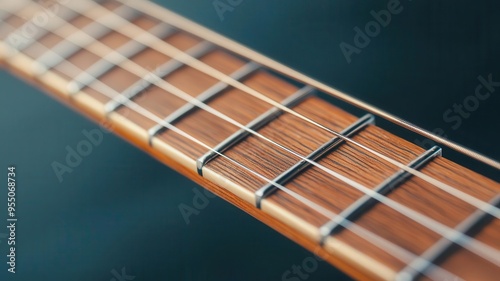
x: 121, y: 276
x: 223, y: 6
x: 201, y: 200
x: 459, y: 111
x: 362, y: 37
x: 28, y: 31
x: 304, y: 270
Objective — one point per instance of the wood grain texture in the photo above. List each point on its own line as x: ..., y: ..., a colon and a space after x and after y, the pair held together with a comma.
x: 286, y: 214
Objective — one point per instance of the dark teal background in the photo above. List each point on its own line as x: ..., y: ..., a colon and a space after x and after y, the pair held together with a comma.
x: 119, y: 208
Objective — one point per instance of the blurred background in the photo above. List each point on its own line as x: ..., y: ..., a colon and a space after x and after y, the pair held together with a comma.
x: 118, y: 212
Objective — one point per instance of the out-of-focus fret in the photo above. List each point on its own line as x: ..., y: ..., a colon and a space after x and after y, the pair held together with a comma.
x: 66, y: 48
x: 153, y: 78
x: 112, y: 60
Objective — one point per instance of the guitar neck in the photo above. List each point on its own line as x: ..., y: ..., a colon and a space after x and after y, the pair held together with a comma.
x: 358, y: 196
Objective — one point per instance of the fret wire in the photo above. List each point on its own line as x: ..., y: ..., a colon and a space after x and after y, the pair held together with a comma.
x: 443, y: 230
x: 64, y: 49
x: 364, y: 203
x: 166, y: 69
x: 255, y: 125
x: 442, y: 248
x: 298, y: 168
x: 221, y: 76
x: 402, y: 253
x: 203, y: 97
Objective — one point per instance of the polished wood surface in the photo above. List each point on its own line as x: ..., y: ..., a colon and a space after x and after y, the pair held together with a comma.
x: 358, y: 256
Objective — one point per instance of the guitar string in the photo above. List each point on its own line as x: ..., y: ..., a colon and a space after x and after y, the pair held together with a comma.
x: 171, y: 51
x: 436, y: 272
x: 180, y: 22
x: 464, y: 240
x: 439, y: 228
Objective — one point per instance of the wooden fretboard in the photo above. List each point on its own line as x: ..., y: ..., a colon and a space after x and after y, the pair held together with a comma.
x: 199, y: 108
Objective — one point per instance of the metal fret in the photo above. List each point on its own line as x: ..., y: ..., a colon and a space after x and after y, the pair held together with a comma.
x: 269, y: 188
x: 207, y: 95
x: 152, y: 78
x: 68, y: 47
x: 256, y: 124
x: 445, y: 245
x: 366, y: 202
x: 107, y: 63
